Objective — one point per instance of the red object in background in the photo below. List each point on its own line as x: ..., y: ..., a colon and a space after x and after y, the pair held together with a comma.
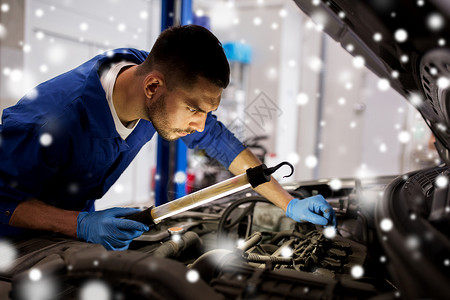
x: 190, y: 181
x: 152, y: 179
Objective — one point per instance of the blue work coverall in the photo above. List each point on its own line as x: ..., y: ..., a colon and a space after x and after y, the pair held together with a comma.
x: 85, y: 155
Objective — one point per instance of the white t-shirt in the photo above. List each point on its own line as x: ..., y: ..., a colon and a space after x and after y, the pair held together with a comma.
x: 108, y: 80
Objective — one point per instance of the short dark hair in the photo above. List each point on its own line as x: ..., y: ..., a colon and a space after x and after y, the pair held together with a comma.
x: 182, y: 53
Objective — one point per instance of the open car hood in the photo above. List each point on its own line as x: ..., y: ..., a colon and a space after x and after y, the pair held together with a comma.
x: 423, y: 73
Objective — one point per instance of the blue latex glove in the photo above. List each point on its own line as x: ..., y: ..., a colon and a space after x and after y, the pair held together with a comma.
x: 107, y: 228
x: 314, y: 209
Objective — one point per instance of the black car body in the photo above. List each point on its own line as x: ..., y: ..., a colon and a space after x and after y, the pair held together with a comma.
x: 418, y: 245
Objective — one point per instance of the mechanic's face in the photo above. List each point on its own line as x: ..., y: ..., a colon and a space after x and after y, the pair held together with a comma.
x: 182, y: 111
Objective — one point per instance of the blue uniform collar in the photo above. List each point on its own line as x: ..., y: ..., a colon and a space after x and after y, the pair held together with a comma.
x: 94, y: 97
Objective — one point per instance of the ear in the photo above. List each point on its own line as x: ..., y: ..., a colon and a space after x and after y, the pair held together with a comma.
x: 153, y: 82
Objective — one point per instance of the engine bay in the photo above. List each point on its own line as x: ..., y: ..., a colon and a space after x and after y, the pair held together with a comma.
x: 241, y: 247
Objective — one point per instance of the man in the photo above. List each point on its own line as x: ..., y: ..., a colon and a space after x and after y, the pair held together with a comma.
x: 64, y: 147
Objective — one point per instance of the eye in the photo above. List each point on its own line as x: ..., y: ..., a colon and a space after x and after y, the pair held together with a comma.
x: 191, y: 109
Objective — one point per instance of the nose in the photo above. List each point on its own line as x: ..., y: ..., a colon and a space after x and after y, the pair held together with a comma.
x: 198, y: 122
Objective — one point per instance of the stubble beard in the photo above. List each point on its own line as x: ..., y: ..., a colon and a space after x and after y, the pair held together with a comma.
x: 156, y: 113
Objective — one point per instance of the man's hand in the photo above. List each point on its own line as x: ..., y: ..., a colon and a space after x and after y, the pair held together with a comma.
x: 314, y: 209
x: 107, y: 228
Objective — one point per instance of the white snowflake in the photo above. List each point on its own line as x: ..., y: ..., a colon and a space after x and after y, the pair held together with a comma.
x: 272, y: 73
x: 335, y: 184
x: 180, y: 177
x: 3, y: 31
x: 199, y: 12
x: 441, y: 42
x: 383, y: 84
x: 8, y: 254
x: 39, y: 13
x: 377, y: 37
x: 257, y: 21
x: 293, y: 158
x: 383, y: 147
x: 357, y: 271
x: 404, y: 58
x: 6, y: 71
x: 412, y: 242
x: 302, y: 99
x: 35, y: 274
x: 441, y: 181
x: 95, y: 290
x: 5, y: 7
x: 84, y: 26
x: 121, y: 27
x: 40, y: 35
x: 443, y: 82
x: 401, y: 35
x: 143, y: 15
x: 26, y: 48
x: 435, y: 21
x: 286, y: 252
x: 192, y: 276
x: 404, y: 137
x: 382, y: 259
x: 441, y: 127
x: 119, y: 188
x: 176, y: 238
x: 16, y: 75
x: 415, y: 99
x: 311, y: 161
x: 342, y: 101
x: 329, y: 232
x: 350, y: 47
x: 394, y: 74
x: 358, y: 62
x: 32, y: 94
x: 274, y: 26
x: 386, y: 224
x: 283, y: 13
x: 315, y: 64
x: 46, y: 139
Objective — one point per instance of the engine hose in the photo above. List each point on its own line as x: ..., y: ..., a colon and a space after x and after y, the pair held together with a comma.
x: 174, y: 248
x: 222, y: 222
x: 281, y: 235
x: 251, y: 241
x: 256, y: 258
